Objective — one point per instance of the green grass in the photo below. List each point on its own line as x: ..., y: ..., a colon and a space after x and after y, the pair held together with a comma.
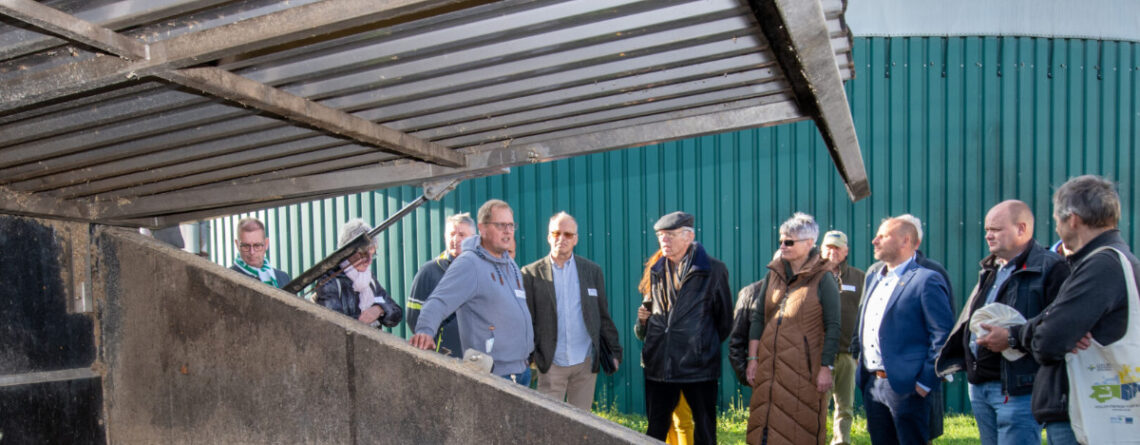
x: 958, y: 429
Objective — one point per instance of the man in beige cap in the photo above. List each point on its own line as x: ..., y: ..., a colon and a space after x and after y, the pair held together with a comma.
x: 834, y: 250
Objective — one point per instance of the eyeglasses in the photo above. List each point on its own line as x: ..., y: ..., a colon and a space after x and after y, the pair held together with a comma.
x: 791, y: 242
x: 247, y: 247
x: 504, y: 226
x: 558, y: 233
x: 670, y: 234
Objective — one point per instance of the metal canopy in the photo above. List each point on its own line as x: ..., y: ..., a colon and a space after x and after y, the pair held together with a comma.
x: 153, y: 112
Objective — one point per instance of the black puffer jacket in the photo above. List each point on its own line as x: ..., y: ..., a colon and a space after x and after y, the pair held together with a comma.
x: 338, y: 295
x: 1036, y: 278
x: 682, y: 344
x: 741, y: 324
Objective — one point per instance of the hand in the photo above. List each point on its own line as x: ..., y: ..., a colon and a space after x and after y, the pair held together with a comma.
x: 823, y: 382
x: 617, y: 364
x: 921, y: 392
x: 997, y: 340
x: 1083, y: 343
x: 642, y: 314
x: 422, y: 341
x: 371, y: 314
x: 750, y: 372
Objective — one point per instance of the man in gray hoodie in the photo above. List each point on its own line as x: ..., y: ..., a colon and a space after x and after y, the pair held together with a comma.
x: 484, y: 288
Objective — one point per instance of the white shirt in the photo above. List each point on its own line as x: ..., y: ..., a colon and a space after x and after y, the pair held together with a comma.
x: 881, y: 290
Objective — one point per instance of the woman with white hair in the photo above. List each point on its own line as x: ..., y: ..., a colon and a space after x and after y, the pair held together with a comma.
x: 793, y: 340
x: 353, y: 291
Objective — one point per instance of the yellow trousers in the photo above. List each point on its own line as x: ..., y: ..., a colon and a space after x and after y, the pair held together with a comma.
x: 681, y: 432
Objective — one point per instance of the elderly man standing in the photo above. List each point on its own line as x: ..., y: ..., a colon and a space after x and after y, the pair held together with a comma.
x: 1025, y: 276
x: 686, y: 313
x: 1091, y: 304
x: 904, y: 319
x: 252, y: 244
x: 483, y: 287
x: 835, y: 250
x: 457, y: 228
x: 566, y: 295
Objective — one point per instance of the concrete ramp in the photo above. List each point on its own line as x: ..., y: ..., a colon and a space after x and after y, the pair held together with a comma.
x: 188, y: 352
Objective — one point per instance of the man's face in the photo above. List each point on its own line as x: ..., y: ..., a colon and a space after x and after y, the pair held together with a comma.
x: 674, y: 243
x: 454, y: 234
x: 834, y: 254
x: 251, y: 246
x: 1066, y: 230
x: 563, y: 237
x: 1002, y: 235
x: 499, y: 232
x: 798, y: 250
x: 890, y: 243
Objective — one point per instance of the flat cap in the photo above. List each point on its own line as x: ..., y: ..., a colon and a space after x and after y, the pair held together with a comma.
x: 834, y: 238
x: 675, y: 220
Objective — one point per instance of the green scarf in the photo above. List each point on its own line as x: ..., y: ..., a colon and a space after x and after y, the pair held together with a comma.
x: 265, y: 273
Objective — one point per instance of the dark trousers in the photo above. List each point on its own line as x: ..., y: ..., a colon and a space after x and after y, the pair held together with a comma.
x: 894, y: 418
x: 661, y: 399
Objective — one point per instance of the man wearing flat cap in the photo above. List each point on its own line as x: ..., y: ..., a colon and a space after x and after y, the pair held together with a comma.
x: 686, y: 313
x: 834, y: 250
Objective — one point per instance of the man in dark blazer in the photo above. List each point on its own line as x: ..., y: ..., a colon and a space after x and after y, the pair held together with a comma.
x: 566, y: 295
x: 904, y: 319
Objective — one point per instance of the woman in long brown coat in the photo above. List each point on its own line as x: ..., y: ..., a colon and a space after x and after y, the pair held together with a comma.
x: 793, y: 340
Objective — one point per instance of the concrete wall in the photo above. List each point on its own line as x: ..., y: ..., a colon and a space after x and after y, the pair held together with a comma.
x: 180, y: 350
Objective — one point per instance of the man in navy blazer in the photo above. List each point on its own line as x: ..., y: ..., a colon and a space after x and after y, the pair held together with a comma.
x: 904, y: 318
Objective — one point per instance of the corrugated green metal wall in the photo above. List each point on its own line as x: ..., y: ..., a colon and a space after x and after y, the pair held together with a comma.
x: 948, y: 127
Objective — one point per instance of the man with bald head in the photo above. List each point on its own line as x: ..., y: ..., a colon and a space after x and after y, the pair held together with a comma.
x: 904, y: 319
x: 1025, y: 276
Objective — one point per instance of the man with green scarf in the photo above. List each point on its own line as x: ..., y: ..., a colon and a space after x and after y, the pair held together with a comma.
x: 251, y: 245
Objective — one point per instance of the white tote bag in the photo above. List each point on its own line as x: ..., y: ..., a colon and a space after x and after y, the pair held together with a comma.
x: 1104, y: 381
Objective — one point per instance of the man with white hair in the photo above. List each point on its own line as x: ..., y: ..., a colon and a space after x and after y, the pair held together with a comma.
x: 252, y: 245
x: 354, y: 291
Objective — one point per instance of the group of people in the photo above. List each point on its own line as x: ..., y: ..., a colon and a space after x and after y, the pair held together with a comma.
x: 814, y: 329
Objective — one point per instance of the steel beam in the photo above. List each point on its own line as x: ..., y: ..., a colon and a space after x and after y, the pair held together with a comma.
x: 797, y: 34
x: 221, y: 200
x: 224, y: 84
x: 261, y: 32
x: 72, y: 28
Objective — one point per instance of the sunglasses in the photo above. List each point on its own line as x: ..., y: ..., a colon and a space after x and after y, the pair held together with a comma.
x: 558, y: 233
x: 790, y: 242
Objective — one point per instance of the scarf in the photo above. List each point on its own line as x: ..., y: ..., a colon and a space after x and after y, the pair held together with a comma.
x: 265, y: 273
x: 362, y: 284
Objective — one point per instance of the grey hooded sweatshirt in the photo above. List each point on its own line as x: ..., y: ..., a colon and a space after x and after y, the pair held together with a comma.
x: 486, y: 294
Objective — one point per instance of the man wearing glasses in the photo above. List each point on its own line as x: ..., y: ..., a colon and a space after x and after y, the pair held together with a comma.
x: 566, y: 295
x: 252, y: 244
x: 484, y: 289
x: 686, y: 313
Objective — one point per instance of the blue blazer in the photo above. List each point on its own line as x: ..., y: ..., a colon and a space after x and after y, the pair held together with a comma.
x: 915, y: 326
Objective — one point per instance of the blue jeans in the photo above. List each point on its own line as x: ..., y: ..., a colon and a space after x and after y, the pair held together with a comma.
x: 522, y: 378
x: 1060, y: 433
x: 1002, y: 421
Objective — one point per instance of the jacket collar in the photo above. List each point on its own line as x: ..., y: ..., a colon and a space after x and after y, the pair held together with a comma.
x: 1027, y: 259
x: 1107, y: 238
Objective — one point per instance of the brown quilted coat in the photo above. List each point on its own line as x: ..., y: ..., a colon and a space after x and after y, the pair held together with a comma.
x: 785, y: 400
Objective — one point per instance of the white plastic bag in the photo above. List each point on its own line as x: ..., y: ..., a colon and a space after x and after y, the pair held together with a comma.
x: 1104, y: 381
x: 1001, y: 315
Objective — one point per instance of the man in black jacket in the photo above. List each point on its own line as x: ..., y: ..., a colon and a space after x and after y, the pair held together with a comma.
x: 1025, y: 276
x: 457, y: 228
x: 1091, y: 304
x: 685, y: 315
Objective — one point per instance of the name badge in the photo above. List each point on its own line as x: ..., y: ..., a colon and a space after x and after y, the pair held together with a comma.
x: 519, y: 293
x: 849, y: 288
x: 592, y: 292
